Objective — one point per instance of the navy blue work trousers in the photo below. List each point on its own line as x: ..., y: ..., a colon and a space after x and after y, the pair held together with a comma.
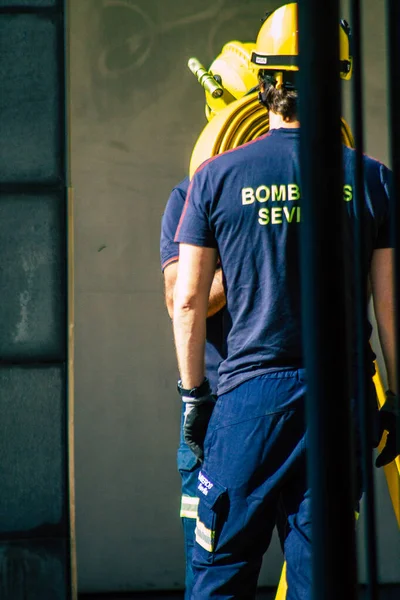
x: 254, y: 478
x: 188, y: 467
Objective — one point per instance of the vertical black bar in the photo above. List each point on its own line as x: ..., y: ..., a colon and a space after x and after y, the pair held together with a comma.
x: 360, y: 315
x: 324, y: 305
x: 393, y: 27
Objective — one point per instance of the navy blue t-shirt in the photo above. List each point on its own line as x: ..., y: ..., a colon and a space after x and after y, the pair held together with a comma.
x: 169, y: 251
x: 247, y: 204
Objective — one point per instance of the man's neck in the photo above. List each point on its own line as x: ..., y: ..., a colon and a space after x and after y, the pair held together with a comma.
x: 277, y: 122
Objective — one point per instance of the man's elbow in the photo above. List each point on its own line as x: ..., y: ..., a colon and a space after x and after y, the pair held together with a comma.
x: 169, y: 303
x: 184, y: 304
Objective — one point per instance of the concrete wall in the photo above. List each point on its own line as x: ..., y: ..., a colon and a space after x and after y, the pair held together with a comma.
x: 136, y: 113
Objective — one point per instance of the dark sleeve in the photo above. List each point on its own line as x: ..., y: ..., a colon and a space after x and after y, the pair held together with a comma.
x: 383, y: 237
x: 169, y: 249
x: 194, y: 225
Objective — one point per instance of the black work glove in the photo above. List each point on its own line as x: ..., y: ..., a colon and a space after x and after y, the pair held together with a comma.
x: 389, y: 419
x: 199, y: 404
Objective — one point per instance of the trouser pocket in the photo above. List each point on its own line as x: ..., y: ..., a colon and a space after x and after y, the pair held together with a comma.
x: 212, y: 512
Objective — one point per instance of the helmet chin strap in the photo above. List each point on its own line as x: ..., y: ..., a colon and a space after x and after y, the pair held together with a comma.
x: 279, y: 81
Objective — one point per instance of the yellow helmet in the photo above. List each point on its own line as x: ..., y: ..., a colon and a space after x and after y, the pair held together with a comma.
x: 236, y: 73
x: 277, y: 43
x: 231, y: 75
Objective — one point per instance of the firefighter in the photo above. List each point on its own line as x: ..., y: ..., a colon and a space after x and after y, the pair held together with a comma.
x: 244, y: 208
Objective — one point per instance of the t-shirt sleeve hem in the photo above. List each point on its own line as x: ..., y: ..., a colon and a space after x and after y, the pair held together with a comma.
x: 183, y: 239
x: 169, y: 261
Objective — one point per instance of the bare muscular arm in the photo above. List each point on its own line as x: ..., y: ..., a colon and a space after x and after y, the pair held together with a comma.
x: 192, y: 290
x: 216, y: 299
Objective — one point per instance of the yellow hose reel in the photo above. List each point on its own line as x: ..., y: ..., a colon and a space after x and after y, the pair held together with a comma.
x: 239, y: 122
x: 232, y: 109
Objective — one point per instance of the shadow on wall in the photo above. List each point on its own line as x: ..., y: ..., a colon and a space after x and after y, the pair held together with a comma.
x: 125, y: 43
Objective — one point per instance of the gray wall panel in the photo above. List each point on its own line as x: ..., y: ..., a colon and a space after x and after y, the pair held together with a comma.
x: 32, y: 272
x: 33, y: 494
x: 29, y: 101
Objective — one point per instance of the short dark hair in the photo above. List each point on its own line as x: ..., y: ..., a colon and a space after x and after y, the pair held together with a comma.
x: 282, y: 101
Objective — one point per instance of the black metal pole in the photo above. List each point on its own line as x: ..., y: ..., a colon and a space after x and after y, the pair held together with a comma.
x: 324, y: 304
x: 360, y: 314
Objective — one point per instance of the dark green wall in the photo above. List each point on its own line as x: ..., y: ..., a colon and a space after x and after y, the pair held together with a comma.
x: 34, y: 504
